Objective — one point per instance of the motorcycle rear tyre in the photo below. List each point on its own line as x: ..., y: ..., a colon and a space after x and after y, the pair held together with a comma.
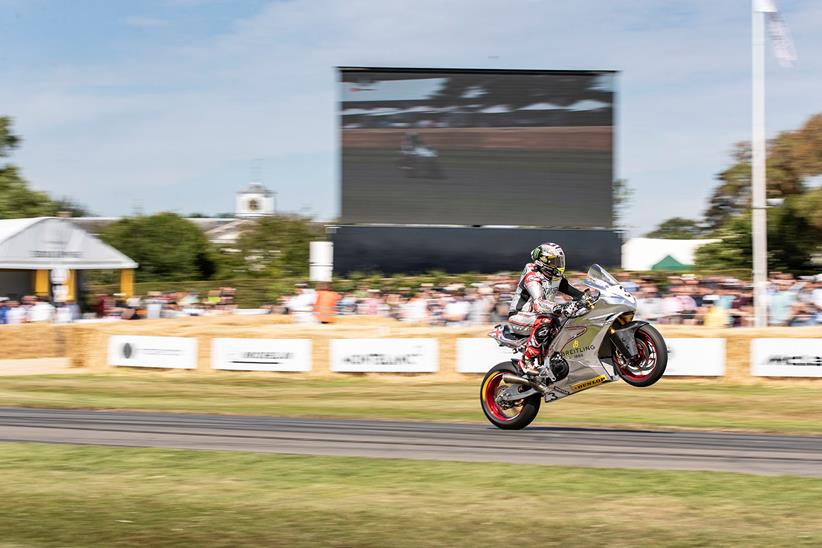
x: 530, y: 406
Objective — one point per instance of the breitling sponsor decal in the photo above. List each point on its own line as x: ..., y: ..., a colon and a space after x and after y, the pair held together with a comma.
x: 588, y: 384
x: 573, y: 347
x: 577, y: 349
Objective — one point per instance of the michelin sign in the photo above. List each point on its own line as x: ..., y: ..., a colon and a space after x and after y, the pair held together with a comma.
x: 261, y: 354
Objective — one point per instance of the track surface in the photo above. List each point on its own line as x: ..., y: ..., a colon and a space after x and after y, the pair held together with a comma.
x: 749, y: 453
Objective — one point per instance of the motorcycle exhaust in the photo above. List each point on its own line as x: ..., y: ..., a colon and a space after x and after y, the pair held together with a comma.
x: 516, y: 379
x: 510, y: 378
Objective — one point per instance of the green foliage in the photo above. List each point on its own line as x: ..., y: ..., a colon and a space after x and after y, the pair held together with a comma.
x: 792, y: 157
x: 167, y: 247
x: 677, y: 228
x: 794, y: 228
x: 735, y: 249
x: 810, y: 207
x: 16, y: 198
x: 794, y: 239
x: 8, y: 140
x: 272, y: 247
x: 732, y: 195
x: 622, y: 194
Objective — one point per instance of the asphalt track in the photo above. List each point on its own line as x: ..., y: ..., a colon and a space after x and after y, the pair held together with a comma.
x: 730, y: 452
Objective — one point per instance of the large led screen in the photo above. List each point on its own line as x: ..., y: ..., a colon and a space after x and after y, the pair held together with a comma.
x: 477, y: 147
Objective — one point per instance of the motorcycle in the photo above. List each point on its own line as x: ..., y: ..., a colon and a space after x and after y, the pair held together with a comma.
x: 598, y: 342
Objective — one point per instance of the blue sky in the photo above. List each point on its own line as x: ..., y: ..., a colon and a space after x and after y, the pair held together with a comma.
x: 166, y: 104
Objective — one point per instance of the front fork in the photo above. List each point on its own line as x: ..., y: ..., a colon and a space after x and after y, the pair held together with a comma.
x: 624, y: 339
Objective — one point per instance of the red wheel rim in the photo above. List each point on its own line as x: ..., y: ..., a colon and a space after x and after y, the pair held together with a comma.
x: 645, y: 366
x: 490, y: 389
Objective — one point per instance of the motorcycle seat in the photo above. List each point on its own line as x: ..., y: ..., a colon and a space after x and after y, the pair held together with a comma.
x: 508, y: 333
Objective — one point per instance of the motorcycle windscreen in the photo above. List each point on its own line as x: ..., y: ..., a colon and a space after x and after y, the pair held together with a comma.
x: 599, y: 277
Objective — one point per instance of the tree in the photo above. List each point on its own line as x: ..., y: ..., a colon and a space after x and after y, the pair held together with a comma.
x: 677, y: 228
x: 67, y: 205
x: 810, y: 206
x: 272, y: 247
x: 732, y: 195
x: 805, y: 147
x: 167, y: 246
x: 794, y: 238
x: 8, y: 140
x: 16, y: 198
x: 785, y: 176
x: 622, y: 194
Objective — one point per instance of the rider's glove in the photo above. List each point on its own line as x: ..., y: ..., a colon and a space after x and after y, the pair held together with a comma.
x: 587, y: 299
x: 565, y: 309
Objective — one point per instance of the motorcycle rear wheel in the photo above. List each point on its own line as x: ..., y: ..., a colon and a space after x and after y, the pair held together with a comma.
x: 515, y: 417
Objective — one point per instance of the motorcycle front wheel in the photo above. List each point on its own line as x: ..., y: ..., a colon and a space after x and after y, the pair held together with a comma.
x: 508, y: 416
x: 652, y: 360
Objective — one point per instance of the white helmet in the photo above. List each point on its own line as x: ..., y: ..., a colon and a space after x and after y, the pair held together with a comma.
x: 550, y: 259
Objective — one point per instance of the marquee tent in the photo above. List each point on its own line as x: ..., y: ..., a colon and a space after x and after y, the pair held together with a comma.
x: 32, y: 248
x: 644, y: 253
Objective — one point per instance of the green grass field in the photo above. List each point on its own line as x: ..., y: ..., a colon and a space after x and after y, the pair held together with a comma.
x: 669, y: 404
x: 63, y: 495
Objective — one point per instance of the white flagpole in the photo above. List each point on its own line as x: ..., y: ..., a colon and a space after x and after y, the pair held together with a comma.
x: 759, y: 224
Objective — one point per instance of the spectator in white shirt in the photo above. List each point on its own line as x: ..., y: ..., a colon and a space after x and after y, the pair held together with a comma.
x: 41, y: 311
x: 16, y: 314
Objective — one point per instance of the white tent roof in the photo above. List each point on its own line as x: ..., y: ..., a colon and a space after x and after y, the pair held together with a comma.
x: 49, y: 242
x: 643, y: 253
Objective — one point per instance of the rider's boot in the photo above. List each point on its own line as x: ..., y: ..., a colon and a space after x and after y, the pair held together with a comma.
x: 526, y: 364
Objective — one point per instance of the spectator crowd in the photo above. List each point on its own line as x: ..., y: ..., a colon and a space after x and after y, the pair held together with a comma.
x: 155, y: 305
x: 681, y: 299
x: 684, y: 299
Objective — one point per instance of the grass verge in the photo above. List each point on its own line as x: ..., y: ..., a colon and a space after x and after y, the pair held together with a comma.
x: 98, y: 496
x: 703, y: 405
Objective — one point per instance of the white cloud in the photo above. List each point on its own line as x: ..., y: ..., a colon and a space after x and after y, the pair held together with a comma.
x: 166, y: 118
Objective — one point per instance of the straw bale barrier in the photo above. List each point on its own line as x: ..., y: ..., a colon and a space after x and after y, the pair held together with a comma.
x: 86, y: 344
x: 34, y: 340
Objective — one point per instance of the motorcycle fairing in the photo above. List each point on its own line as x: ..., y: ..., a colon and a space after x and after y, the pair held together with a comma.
x: 580, y: 339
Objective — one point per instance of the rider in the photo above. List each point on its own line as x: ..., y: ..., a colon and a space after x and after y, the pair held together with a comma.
x: 533, y: 309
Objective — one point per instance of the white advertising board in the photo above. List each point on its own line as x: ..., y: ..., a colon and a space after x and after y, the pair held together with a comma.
x: 261, y: 354
x: 161, y: 352
x: 478, y: 355
x: 695, y: 357
x: 786, y: 357
x: 384, y: 355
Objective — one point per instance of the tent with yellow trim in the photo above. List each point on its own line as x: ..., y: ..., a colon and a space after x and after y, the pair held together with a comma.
x: 38, y: 252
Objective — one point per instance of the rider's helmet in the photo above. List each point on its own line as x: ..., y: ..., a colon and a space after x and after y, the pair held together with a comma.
x: 549, y: 259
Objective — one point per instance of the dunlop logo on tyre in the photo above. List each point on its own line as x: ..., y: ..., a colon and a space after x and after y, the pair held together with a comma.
x: 588, y: 384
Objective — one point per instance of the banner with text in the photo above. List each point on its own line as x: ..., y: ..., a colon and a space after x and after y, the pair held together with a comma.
x: 261, y: 354
x: 686, y: 357
x: 695, y: 357
x: 384, y: 355
x: 160, y: 352
x: 786, y: 357
x: 478, y: 355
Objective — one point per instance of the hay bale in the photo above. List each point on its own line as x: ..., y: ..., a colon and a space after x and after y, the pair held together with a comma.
x: 86, y: 344
x: 33, y: 340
